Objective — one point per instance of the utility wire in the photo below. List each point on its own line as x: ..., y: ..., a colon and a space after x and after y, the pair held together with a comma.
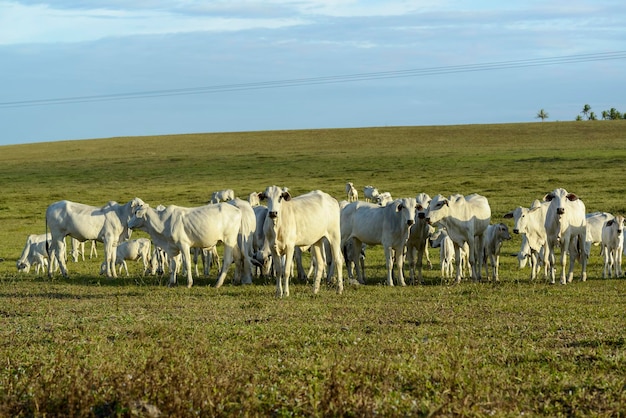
x: 419, y: 72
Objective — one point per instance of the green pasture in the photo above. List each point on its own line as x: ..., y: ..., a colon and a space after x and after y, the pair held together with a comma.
x: 92, y: 346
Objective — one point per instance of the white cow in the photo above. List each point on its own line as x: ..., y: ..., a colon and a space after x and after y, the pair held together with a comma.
x: 441, y: 240
x: 417, y: 244
x: 466, y: 219
x: 566, y: 226
x: 367, y: 223
x: 34, y: 254
x: 384, y: 198
x: 245, y: 241
x: 495, y: 235
x: 107, y: 224
x: 370, y: 193
x: 262, y: 253
x: 132, y: 250
x: 177, y: 229
x: 222, y: 196
x: 351, y: 194
x: 530, y: 223
x: 595, y: 225
x: 301, y: 221
x: 253, y: 199
x: 613, y: 246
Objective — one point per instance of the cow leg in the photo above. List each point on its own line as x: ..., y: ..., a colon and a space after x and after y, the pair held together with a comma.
x: 459, y: 262
x: 316, y: 259
x: 226, y: 262
x: 356, y: 255
x: 173, y: 270
x: 389, y: 263
x: 584, y: 258
x: 336, y: 264
x: 286, y: 273
x: 420, y: 259
x: 400, y: 264
x: 412, y: 262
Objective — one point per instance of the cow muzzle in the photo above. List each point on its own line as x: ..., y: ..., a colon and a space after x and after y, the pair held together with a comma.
x: 560, y: 211
x: 273, y: 214
x: 516, y: 231
x: 410, y: 222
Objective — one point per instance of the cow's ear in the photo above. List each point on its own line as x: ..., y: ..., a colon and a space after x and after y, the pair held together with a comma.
x: 445, y: 202
x: 262, y: 196
x: 286, y: 196
x: 609, y: 223
x: 572, y: 197
x: 548, y: 197
x: 508, y: 215
x: 399, y: 207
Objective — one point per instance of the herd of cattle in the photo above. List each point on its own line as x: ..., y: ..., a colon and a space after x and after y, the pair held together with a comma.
x: 268, y: 239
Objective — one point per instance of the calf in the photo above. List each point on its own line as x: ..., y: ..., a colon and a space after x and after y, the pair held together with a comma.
x: 34, y: 254
x: 351, y: 194
x: 495, y: 235
x: 222, y: 196
x: 613, y: 246
x: 133, y: 250
x: 417, y: 243
x: 370, y: 193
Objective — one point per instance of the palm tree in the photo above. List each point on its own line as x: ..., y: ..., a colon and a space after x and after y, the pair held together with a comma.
x: 542, y: 114
x: 592, y: 116
x: 585, y: 112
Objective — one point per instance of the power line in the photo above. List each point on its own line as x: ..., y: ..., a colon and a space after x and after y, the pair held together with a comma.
x: 418, y: 72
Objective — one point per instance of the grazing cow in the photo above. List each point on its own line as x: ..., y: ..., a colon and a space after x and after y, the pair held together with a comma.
x: 301, y: 221
x: 222, y: 196
x: 566, y: 226
x: 466, y: 219
x: 530, y: 223
x: 245, y: 241
x: 34, y: 254
x: 370, y: 193
x: 367, y: 223
x: 613, y: 246
x: 417, y: 244
x: 107, y: 224
x: 495, y: 235
x: 132, y: 250
x: 351, y: 194
x: 177, y: 229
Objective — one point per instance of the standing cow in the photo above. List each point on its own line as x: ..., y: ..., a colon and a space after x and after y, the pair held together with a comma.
x: 495, y: 235
x: 301, y: 221
x: 351, y: 193
x: 566, y: 226
x: 613, y: 246
x: 466, y: 219
x: 107, y: 224
x: 370, y: 224
x: 417, y: 244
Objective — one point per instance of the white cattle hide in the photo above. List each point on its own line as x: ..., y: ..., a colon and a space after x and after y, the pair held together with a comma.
x: 613, y: 246
x: 370, y: 224
x: 301, y: 221
x: 417, y: 244
x: 34, y: 254
x: 566, y: 226
x: 178, y: 229
x: 253, y: 199
x: 384, y: 198
x: 245, y: 241
x: 495, y: 235
x: 370, y: 193
x: 133, y: 250
x: 466, y: 219
x: 107, y: 224
x: 595, y: 225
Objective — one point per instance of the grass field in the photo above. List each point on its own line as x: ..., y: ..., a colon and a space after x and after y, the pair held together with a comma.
x: 91, y: 346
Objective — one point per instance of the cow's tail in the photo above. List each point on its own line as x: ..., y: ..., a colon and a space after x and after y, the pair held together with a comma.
x: 46, y: 235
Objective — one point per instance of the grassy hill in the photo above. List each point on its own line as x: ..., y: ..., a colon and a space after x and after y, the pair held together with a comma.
x: 92, y: 346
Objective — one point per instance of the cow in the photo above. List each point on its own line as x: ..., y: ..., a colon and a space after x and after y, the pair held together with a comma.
x: 245, y: 241
x: 301, y: 221
x: 613, y: 246
x: 34, y: 253
x: 440, y: 239
x: 530, y: 223
x: 566, y: 226
x: 371, y: 224
x: 253, y: 199
x: 177, y: 229
x: 417, y: 244
x: 384, y: 198
x: 222, y: 196
x: 132, y: 250
x: 107, y: 224
x: 495, y: 235
x: 262, y: 253
x: 466, y: 219
x: 370, y: 193
x: 595, y: 225
x: 351, y: 193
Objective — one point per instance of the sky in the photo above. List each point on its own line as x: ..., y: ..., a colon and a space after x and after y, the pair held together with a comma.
x: 82, y: 69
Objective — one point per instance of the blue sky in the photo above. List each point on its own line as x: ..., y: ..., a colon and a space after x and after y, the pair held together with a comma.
x: 97, y: 48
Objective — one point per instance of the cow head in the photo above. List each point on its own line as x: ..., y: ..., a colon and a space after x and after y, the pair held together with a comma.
x: 559, y: 198
x: 275, y: 197
x: 406, y: 207
x: 438, y: 209
x: 139, y: 217
x: 422, y: 201
x: 503, y: 231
